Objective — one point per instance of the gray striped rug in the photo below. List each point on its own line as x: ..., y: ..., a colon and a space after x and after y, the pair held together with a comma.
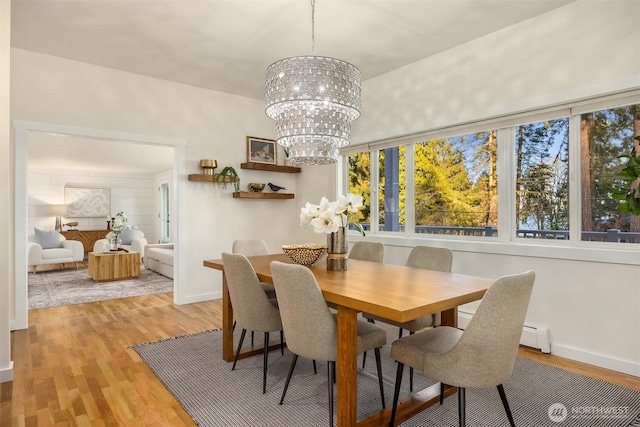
x: 192, y: 369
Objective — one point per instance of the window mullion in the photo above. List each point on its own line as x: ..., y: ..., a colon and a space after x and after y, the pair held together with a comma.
x: 375, y: 193
x: 507, y: 223
x: 409, y: 176
x: 575, y: 205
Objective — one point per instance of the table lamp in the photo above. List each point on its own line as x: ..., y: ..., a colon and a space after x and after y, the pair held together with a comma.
x: 58, y: 211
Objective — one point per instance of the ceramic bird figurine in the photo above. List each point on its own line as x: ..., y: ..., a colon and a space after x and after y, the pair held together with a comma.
x: 274, y: 187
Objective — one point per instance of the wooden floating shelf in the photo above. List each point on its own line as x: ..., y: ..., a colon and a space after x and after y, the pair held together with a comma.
x: 211, y: 178
x: 271, y: 168
x: 252, y: 195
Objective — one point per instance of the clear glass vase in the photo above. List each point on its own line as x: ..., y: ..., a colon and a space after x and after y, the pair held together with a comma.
x: 337, y: 248
x: 115, y: 243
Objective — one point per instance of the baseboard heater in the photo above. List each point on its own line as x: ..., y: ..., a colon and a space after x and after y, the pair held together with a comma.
x: 531, y: 336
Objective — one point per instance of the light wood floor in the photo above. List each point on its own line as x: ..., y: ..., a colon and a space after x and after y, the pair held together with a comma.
x: 72, y: 366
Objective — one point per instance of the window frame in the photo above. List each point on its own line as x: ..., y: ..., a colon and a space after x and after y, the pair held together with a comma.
x: 507, y: 242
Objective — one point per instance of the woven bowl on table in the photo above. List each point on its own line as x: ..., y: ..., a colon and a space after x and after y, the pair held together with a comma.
x: 305, y: 254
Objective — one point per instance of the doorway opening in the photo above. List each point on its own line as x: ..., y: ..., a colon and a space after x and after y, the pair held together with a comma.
x: 24, y: 131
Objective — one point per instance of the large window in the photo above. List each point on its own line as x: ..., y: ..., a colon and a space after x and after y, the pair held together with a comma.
x: 604, y: 136
x: 456, y: 187
x: 451, y: 186
x: 359, y: 182
x: 542, y: 179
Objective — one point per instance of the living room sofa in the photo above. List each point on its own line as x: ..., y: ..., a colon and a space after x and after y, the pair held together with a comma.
x: 132, y: 240
x: 159, y: 258
x: 51, y: 247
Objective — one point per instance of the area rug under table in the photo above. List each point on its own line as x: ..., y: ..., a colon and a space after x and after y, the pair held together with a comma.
x: 67, y: 287
x: 192, y: 369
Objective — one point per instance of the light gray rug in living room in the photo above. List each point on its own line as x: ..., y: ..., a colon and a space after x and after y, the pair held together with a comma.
x: 192, y: 369
x: 70, y: 286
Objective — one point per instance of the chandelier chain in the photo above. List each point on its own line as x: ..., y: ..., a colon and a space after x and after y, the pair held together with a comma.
x: 313, y: 100
x: 313, y: 27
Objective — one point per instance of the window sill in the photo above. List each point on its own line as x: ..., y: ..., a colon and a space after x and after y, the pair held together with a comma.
x: 608, y: 253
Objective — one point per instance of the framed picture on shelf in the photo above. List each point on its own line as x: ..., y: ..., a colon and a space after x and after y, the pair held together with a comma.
x: 261, y: 150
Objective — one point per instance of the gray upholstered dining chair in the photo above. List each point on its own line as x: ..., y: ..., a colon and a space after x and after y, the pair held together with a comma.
x: 310, y: 326
x: 428, y: 258
x: 252, y: 308
x: 248, y: 248
x: 367, y: 251
x: 254, y: 248
x: 483, y: 355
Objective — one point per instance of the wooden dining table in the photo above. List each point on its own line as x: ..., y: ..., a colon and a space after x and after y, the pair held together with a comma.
x: 391, y: 291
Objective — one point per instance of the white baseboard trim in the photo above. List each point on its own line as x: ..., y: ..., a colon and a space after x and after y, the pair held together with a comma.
x: 600, y: 360
x: 15, y: 325
x: 539, y: 338
x: 190, y: 299
x: 6, y: 374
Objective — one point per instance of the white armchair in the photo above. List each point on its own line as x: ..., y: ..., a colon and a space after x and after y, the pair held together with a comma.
x: 67, y: 251
x: 132, y: 240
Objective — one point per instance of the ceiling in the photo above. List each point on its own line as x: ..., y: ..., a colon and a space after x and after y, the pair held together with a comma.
x: 226, y: 45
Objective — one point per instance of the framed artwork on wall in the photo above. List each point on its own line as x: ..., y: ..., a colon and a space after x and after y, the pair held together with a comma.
x: 261, y: 150
x: 87, y: 202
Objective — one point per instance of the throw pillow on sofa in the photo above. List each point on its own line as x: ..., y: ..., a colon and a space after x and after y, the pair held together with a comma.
x: 47, y: 239
x: 126, y: 236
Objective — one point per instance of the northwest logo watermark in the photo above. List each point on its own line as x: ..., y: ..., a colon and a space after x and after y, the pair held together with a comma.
x: 558, y: 412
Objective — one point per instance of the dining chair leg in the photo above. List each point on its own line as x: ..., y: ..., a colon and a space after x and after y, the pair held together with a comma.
x: 265, y: 353
x: 286, y: 384
x: 400, y: 333
x: 396, y: 393
x: 410, y: 371
x: 331, y: 373
x: 251, y: 338
x: 234, y: 326
x: 379, y: 367
x: 315, y: 369
x: 282, y: 343
x: 462, y: 415
x: 334, y: 373
x: 235, y: 360
x: 364, y: 355
x: 441, y: 392
x: 503, y: 397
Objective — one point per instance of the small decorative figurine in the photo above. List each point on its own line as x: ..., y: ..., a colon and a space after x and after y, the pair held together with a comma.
x: 274, y: 187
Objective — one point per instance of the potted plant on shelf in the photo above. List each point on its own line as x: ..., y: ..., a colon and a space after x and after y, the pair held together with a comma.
x: 228, y: 174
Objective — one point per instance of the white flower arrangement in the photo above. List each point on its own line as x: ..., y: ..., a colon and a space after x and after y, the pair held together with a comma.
x: 328, y: 217
x: 119, y: 223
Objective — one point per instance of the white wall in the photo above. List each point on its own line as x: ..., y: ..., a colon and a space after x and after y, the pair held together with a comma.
x: 583, y: 49
x: 215, y: 125
x: 589, y: 301
x: 134, y: 194
x: 6, y: 197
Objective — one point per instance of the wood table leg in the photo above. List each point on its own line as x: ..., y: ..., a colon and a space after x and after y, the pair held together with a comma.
x: 449, y: 317
x: 227, y: 322
x: 347, y: 381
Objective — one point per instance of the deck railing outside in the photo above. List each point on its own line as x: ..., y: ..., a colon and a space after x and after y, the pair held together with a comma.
x: 612, y: 235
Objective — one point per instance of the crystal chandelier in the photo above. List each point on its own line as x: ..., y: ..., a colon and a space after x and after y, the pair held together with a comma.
x: 313, y: 100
